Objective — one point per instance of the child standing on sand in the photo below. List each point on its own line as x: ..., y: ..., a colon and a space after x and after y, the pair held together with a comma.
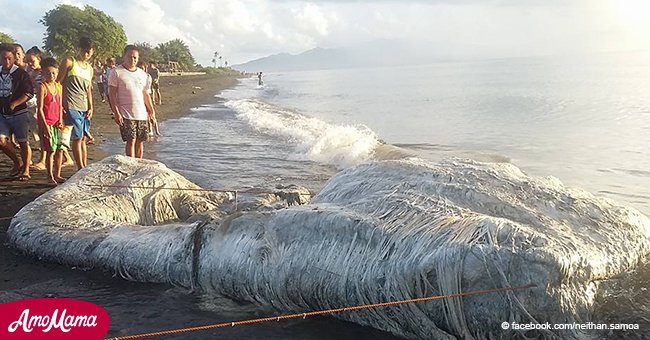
x: 50, y: 118
x: 33, y: 60
x: 76, y: 76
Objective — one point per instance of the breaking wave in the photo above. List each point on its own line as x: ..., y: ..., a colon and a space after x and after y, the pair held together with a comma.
x: 338, y: 145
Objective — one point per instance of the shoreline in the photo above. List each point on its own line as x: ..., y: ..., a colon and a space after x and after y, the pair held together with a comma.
x: 179, y: 96
x: 138, y: 307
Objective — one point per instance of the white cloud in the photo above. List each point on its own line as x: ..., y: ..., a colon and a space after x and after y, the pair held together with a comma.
x: 243, y: 29
x: 76, y: 3
x: 146, y: 21
x: 311, y: 19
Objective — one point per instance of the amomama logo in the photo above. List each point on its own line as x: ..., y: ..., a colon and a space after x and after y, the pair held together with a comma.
x: 67, y: 319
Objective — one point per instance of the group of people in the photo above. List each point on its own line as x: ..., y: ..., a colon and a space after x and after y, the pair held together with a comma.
x: 54, y: 102
x: 103, y: 71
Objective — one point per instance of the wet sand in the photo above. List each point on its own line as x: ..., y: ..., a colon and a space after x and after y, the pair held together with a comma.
x: 138, y: 307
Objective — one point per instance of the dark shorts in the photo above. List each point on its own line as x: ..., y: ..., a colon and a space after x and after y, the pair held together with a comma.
x: 134, y: 129
x: 18, y: 125
x: 155, y: 85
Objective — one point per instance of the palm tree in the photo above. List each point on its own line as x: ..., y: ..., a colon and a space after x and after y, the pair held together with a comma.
x: 220, y: 64
x: 149, y: 53
x: 177, y: 51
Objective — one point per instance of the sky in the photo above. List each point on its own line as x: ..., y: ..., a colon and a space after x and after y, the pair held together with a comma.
x: 242, y: 30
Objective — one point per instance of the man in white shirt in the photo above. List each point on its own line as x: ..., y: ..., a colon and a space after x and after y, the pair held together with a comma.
x: 128, y: 93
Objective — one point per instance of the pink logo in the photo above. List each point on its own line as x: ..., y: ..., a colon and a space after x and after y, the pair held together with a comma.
x: 58, y: 318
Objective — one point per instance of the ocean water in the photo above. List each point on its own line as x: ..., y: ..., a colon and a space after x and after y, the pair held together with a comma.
x: 584, y: 120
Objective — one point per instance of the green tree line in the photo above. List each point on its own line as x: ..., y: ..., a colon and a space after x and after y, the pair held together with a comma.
x: 173, y: 50
x: 65, y: 24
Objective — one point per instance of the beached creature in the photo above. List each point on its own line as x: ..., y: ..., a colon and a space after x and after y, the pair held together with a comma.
x: 376, y: 232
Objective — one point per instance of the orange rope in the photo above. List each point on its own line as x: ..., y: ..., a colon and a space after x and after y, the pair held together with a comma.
x: 156, y: 188
x: 251, y: 190
x: 304, y: 315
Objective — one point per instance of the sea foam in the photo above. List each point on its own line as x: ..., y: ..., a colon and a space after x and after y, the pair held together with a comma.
x: 314, y: 139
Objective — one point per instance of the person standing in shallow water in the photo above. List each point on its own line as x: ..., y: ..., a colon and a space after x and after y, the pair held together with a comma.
x: 76, y: 76
x: 128, y: 95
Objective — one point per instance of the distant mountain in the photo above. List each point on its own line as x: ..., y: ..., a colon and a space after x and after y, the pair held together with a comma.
x: 371, y: 54
x: 317, y: 58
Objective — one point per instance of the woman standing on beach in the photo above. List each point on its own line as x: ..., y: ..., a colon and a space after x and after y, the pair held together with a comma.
x: 76, y: 75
